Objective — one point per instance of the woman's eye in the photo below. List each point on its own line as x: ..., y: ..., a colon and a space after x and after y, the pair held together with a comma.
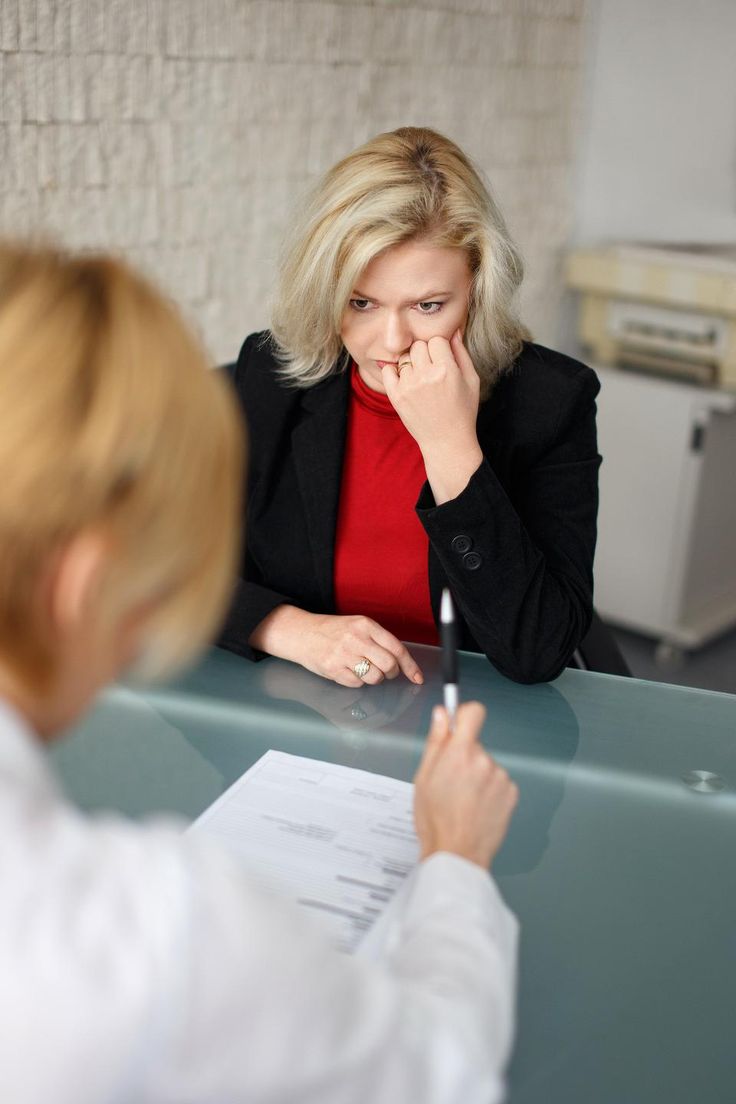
x: 429, y: 308
x: 360, y: 304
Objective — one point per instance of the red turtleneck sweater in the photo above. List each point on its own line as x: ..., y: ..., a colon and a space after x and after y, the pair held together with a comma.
x: 381, y: 547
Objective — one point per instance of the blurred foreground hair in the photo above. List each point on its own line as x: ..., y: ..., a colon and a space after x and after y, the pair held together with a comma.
x: 410, y: 184
x: 110, y: 420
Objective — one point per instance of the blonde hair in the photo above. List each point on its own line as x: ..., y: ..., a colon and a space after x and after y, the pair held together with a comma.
x: 110, y: 420
x: 409, y: 184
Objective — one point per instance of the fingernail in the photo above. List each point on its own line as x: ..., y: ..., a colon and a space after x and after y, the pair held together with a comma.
x: 437, y: 715
x: 418, y: 677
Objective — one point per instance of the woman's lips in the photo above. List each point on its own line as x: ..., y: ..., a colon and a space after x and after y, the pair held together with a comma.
x: 384, y: 363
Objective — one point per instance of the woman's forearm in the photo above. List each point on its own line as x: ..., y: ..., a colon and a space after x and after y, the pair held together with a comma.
x: 278, y: 633
x: 449, y: 470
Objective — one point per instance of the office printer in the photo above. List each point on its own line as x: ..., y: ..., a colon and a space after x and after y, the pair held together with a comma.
x: 668, y: 309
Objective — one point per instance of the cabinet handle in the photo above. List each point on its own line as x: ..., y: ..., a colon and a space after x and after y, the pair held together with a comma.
x: 697, y: 437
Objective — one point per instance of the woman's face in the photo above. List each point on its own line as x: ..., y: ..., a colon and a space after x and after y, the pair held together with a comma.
x: 412, y: 292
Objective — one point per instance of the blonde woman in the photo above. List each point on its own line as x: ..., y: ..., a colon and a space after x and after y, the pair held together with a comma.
x: 406, y: 436
x: 137, y: 965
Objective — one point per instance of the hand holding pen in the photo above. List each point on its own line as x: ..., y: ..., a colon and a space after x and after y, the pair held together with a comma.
x: 463, y: 799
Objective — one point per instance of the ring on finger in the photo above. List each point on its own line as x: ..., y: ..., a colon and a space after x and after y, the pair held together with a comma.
x: 405, y: 362
x: 362, y: 667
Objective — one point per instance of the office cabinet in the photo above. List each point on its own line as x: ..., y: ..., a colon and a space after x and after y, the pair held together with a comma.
x: 666, y: 556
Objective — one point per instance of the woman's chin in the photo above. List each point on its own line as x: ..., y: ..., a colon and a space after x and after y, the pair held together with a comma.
x: 371, y: 376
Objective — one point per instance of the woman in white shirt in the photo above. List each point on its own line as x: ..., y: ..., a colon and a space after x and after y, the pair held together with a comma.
x: 137, y: 964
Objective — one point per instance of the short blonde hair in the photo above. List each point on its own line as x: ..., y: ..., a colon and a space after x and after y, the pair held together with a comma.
x: 409, y: 184
x: 110, y: 419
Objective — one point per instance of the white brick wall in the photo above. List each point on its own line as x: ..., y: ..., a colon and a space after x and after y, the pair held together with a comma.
x: 181, y: 132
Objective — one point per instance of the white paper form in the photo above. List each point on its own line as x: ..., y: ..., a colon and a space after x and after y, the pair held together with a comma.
x: 340, y: 842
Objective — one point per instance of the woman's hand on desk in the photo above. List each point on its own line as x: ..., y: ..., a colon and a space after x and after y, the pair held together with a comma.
x: 331, y: 645
x: 463, y: 800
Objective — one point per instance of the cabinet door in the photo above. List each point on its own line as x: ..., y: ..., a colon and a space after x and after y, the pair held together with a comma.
x: 709, y: 586
x: 649, y: 479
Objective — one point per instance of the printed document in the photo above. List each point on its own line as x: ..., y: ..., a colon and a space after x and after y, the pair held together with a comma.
x: 340, y: 842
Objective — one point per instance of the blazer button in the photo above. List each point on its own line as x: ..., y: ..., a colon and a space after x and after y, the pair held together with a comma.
x: 461, y: 545
x: 472, y: 561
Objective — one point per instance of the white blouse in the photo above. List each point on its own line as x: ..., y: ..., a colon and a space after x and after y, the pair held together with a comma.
x: 139, y: 965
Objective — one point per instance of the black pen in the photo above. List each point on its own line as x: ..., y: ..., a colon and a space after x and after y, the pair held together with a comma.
x: 449, y: 655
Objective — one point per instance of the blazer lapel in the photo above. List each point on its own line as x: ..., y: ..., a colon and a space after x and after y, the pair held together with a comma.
x: 318, y: 441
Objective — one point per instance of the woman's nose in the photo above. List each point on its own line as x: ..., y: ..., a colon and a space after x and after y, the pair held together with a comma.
x: 397, y: 335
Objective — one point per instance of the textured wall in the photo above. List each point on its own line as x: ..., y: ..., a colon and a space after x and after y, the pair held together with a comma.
x: 181, y: 132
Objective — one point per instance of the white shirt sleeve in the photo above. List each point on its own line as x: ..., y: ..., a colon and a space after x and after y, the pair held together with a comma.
x: 139, y: 965
x: 275, y: 1014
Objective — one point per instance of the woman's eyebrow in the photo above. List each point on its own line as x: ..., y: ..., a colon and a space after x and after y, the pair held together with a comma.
x: 417, y: 298
x: 429, y: 295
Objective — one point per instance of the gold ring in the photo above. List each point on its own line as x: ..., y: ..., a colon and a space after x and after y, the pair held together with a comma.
x: 406, y: 363
x: 362, y: 668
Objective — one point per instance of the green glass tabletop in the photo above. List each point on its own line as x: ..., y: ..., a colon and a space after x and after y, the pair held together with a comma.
x: 619, y: 862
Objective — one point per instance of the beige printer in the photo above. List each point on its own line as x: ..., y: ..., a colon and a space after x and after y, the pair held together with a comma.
x: 660, y: 308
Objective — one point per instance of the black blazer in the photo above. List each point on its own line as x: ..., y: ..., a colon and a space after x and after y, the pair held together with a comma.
x: 516, y: 546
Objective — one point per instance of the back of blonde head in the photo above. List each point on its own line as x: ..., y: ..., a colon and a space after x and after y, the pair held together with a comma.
x: 109, y: 419
x: 409, y: 184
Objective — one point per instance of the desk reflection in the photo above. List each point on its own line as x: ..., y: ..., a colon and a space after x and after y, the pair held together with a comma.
x: 382, y: 728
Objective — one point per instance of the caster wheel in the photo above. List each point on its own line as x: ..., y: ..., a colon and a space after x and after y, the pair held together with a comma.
x: 668, y: 656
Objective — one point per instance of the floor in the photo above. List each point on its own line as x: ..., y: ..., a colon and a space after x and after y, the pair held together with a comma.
x: 710, y: 668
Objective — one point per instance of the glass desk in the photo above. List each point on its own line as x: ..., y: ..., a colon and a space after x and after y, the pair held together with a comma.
x: 620, y: 862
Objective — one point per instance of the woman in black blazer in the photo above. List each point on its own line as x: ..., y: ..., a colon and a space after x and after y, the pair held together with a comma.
x: 397, y: 290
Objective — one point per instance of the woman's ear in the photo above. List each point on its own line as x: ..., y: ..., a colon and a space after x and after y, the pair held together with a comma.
x: 75, y: 579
